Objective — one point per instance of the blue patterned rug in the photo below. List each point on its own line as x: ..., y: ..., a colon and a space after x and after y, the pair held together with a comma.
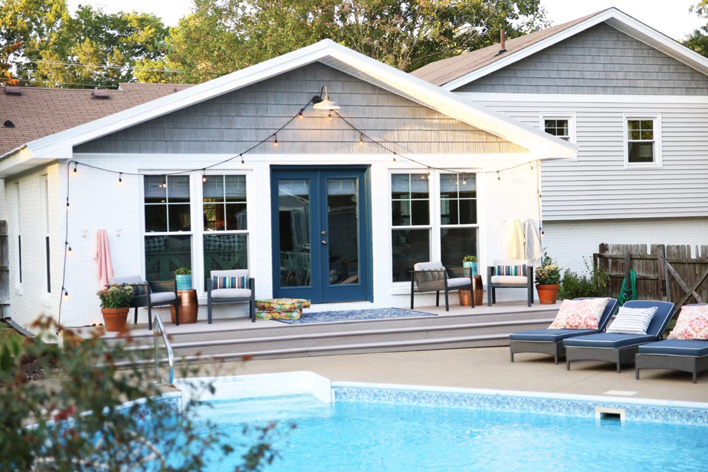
x: 355, y: 315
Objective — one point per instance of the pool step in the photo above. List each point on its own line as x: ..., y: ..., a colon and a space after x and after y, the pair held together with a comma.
x: 400, y: 334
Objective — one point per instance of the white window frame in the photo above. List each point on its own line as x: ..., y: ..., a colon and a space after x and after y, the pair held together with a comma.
x: 656, y: 119
x: 571, y: 117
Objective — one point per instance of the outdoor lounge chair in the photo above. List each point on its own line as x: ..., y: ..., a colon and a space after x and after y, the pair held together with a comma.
x: 550, y: 341
x: 685, y: 355
x: 509, y: 274
x: 616, y: 347
x: 434, y: 277
x: 150, y: 294
x: 233, y: 293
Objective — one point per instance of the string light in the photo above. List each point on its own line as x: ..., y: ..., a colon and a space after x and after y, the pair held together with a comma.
x: 464, y: 178
x: 394, y: 157
x: 275, y: 141
x: 361, y: 139
x: 120, y: 178
x: 498, y: 176
x: 300, y: 115
x: 66, y: 294
x: 76, y: 165
x: 68, y: 247
x: 204, y: 178
x: 242, y: 161
x: 329, y: 116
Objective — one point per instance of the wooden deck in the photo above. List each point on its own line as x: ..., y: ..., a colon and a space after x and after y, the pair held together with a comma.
x: 461, y: 327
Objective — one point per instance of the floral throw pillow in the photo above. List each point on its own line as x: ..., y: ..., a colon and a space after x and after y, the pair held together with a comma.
x: 580, y: 314
x: 692, y: 323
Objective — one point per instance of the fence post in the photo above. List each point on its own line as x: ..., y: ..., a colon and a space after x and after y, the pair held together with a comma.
x: 662, y: 265
x: 627, y: 267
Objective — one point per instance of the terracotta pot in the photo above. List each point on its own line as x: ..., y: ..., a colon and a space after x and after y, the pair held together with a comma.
x: 547, y: 294
x: 114, y: 319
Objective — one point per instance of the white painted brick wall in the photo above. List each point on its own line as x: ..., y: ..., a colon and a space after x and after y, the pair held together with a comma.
x: 570, y: 242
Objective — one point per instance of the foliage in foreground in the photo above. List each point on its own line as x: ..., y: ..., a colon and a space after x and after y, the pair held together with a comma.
x: 593, y: 283
x: 78, y: 420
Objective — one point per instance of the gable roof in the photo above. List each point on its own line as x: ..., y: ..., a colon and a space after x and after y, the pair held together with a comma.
x: 60, y: 145
x: 40, y: 112
x: 461, y: 70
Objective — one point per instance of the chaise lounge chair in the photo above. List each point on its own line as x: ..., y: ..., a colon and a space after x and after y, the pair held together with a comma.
x: 686, y: 355
x: 619, y: 348
x: 550, y: 341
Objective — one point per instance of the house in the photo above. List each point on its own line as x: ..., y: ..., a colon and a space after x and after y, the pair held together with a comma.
x: 242, y: 172
x: 636, y: 104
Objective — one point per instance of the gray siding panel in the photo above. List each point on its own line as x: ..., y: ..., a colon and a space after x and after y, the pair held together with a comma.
x: 234, y: 122
x: 600, y: 60
x: 598, y: 186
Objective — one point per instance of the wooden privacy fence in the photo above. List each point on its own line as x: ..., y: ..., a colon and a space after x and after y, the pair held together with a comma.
x: 664, y: 272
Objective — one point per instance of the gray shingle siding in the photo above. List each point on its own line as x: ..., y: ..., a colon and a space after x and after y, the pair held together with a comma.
x: 238, y: 120
x: 600, y: 60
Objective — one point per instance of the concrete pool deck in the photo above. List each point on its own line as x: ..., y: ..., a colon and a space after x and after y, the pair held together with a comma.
x: 488, y: 368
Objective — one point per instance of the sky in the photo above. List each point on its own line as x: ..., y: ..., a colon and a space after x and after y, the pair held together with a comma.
x: 669, y: 17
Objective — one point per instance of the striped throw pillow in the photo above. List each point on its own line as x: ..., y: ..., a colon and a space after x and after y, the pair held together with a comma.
x: 632, y: 320
x: 230, y: 282
x: 517, y: 270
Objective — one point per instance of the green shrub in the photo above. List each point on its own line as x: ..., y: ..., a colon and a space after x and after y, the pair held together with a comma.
x: 592, y: 283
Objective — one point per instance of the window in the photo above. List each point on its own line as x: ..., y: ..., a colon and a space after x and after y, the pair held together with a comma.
x: 458, y: 218
x: 642, y: 137
x: 225, y: 223
x: 561, y: 126
x: 410, y: 198
x: 167, y: 219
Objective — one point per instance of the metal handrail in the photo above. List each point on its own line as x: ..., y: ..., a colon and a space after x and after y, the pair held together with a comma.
x: 157, y: 324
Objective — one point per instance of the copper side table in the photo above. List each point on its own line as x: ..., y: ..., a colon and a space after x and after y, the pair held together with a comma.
x: 188, y: 306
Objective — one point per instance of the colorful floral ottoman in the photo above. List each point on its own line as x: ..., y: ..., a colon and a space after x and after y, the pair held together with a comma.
x: 281, y: 308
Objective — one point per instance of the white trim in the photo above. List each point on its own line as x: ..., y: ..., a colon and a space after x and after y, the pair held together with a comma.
x: 656, y: 119
x: 60, y: 145
x: 580, y: 98
x: 571, y: 117
x: 616, y: 19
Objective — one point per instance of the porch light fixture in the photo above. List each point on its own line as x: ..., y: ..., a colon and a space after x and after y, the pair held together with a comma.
x: 324, y: 104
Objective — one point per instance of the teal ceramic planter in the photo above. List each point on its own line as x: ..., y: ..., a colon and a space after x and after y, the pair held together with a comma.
x: 470, y: 265
x: 184, y: 282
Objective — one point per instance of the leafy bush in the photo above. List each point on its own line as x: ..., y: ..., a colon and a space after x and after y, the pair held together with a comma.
x: 469, y: 258
x: 592, y: 283
x: 183, y: 271
x: 548, y: 273
x: 116, y: 296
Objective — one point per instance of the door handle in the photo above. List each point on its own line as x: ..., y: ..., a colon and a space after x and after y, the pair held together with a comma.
x: 324, y: 243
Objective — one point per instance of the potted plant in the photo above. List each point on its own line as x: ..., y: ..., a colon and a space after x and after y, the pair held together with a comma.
x: 115, y: 303
x: 183, y: 277
x: 470, y: 262
x: 547, y: 281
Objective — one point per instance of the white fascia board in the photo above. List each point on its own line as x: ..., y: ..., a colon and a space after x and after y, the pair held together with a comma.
x: 60, y: 145
x: 573, y: 99
x: 615, y: 18
x: 18, y: 161
x: 541, y: 145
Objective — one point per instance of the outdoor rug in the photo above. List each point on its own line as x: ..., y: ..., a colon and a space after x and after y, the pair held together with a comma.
x: 355, y: 315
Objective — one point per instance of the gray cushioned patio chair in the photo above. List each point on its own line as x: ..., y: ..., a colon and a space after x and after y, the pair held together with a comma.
x: 150, y: 294
x: 434, y: 277
x: 619, y: 348
x: 523, y: 280
x: 231, y: 295
x: 685, y: 355
x: 550, y: 341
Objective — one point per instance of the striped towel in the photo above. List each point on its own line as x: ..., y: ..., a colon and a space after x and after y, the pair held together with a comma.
x: 533, y: 241
x: 102, y: 254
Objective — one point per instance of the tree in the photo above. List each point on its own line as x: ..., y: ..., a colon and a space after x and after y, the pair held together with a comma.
x: 698, y: 40
x: 77, y: 420
x: 225, y: 35
x: 90, y: 48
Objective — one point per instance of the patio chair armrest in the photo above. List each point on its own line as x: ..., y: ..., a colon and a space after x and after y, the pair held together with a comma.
x: 491, y: 270
x: 252, y: 286
x: 163, y: 286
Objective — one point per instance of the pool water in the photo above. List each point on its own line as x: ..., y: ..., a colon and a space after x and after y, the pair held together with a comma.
x: 353, y: 436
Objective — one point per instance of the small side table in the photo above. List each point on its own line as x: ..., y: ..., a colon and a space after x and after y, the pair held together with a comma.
x: 478, y: 290
x: 188, y: 307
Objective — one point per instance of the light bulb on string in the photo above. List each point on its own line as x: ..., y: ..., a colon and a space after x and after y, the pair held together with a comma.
x: 275, y: 140
x: 76, y: 165
x: 68, y: 248
x: 300, y: 115
x: 242, y: 161
x: 120, y: 178
x: 498, y: 176
x: 204, y: 177
x: 464, y: 178
x: 361, y: 139
x: 329, y: 116
x: 66, y: 294
x: 394, y: 157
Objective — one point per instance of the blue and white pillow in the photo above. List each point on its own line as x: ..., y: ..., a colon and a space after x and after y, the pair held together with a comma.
x: 632, y: 320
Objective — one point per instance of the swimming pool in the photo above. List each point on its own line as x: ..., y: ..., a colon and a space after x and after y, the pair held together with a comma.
x: 392, y: 429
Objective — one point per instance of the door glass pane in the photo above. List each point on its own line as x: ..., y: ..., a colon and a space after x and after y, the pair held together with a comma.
x: 342, y: 233
x: 294, y: 228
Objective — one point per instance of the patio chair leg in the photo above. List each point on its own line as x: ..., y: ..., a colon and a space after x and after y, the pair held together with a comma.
x: 511, y: 354
x: 636, y: 373
x: 412, y: 291
x: 437, y: 298
x: 136, y: 316
x: 447, y: 303
x: 209, y: 311
x: 567, y: 365
x: 177, y: 312
x: 149, y: 317
x: 556, y: 358
x: 695, y: 374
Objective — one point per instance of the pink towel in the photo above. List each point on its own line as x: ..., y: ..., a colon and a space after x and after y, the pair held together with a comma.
x: 102, y: 254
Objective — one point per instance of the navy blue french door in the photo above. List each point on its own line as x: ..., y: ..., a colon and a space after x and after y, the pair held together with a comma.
x: 321, y: 233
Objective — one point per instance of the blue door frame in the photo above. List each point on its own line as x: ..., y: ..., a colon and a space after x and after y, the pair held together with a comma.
x: 331, y: 276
